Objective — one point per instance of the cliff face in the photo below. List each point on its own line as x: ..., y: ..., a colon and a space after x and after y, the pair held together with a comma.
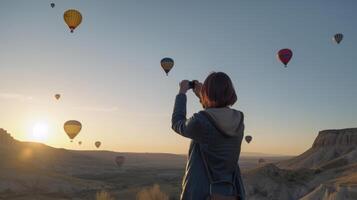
x: 330, y: 148
x: 326, y: 171
x: 343, y: 137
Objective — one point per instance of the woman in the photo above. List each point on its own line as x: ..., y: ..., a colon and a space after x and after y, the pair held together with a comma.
x: 216, y: 135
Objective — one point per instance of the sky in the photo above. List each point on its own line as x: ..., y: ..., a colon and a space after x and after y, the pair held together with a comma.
x: 108, y: 71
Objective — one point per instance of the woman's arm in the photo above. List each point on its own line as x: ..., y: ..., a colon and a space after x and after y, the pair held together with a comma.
x: 192, y: 127
x: 178, y: 120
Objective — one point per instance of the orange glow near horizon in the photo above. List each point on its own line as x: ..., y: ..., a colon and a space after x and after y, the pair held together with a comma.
x: 118, y: 132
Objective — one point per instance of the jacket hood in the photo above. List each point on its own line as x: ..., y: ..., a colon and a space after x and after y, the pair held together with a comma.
x: 226, y: 119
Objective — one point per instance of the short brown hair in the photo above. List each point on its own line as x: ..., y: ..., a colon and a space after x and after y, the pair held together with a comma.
x: 218, y: 91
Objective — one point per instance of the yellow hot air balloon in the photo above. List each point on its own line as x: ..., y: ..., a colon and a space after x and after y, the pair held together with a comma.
x: 72, y: 18
x: 97, y: 144
x: 72, y: 128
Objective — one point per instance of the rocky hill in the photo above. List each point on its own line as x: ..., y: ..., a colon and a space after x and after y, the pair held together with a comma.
x: 343, y: 138
x: 330, y: 148
x: 326, y: 171
x: 5, y: 138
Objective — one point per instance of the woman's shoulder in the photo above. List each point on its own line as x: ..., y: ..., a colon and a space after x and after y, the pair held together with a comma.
x: 238, y: 110
x: 200, y: 117
x: 200, y: 121
x: 203, y: 120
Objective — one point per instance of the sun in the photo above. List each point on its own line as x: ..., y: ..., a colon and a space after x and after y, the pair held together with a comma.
x: 40, y: 132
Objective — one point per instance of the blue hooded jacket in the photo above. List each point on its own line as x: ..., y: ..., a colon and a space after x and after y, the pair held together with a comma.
x: 219, y: 136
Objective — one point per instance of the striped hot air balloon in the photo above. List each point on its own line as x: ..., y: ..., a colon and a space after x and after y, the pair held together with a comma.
x: 167, y: 64
x: 72, y: 18
x: 337, y: 38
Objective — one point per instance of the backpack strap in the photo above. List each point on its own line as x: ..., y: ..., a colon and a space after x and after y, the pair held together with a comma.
x: 211, y: 181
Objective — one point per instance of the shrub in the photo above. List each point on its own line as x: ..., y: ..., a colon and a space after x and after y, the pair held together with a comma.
x: 152, y: 193
x: 103, y: 195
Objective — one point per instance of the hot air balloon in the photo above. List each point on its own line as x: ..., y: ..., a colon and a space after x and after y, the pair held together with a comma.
x: 284, y: 55
x: 72, y: 18
x: 248, y: 138
x: 167, y: 64
x: 97, y: 144
x: 72, y: 128
x: 119, y: 160
x: 337, y: 38
x: 52, y: 5
x: 57, y: 96
x: 80, y: 143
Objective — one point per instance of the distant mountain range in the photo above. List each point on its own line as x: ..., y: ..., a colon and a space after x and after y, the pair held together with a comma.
x: 31, y: 170
x: 257, y: 154
x: 326, y: 171
x: 28, y: 168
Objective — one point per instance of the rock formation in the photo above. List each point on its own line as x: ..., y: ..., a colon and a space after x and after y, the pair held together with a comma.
x: 343, y: 138
x: 331, y: 147
x: 5, y: 138
x: 328, y: 170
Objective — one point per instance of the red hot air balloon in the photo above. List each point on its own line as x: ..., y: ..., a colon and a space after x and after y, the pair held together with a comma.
x: 284, y: 55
